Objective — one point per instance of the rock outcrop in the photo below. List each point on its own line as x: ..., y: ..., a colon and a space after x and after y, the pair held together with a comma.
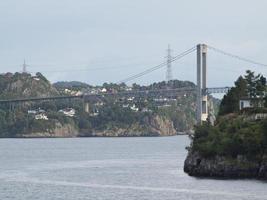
x: 155, y: 126
x: 25, y: 85
x: 60, y: 131
x: 160, y: 126
x: 224, y: 167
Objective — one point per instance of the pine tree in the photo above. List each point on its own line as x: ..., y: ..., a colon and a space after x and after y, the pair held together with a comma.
x: 250, y: 86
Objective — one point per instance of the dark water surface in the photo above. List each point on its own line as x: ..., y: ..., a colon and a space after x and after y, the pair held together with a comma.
x: 111, y: 169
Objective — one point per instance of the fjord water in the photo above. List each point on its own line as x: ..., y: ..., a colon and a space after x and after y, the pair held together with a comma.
x: 109, y: 168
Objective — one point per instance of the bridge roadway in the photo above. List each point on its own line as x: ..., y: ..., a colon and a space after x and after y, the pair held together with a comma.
x: 133, y: 93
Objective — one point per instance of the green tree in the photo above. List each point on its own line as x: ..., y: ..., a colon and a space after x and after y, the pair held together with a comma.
x: 230, y: 101
x: 251, y: 83
x: 251, y: 86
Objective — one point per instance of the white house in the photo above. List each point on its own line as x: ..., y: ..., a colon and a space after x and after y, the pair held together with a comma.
x: 146, y: 110
x: 67, y: 90
x: 36, y: 78
x: 250, y: 103
x: 37, y: 111
x: 160, y: 99
x: 32, y: 112
x: 134, y: 108
x: 125, y: 105
x: 69, y: 112
x: 104, y: 90
x: 41, y: 116
x: 99, y: 103
x: 129, y: 89
x: 76, y: 93
x: 244, y: 103
x: 130, y: 99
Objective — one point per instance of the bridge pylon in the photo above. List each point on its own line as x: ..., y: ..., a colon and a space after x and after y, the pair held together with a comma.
x: 86, y: 107
x: 202, y: 97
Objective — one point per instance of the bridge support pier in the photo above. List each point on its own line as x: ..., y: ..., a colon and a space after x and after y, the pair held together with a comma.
x: 202, y: 98
x: 86, y: 107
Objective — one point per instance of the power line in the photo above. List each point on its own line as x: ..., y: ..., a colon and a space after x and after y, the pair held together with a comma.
x: 179, y: 56
x: 139, y: 59
x: 92, y: 69
x: 236, y: 56
x: 88, y: 68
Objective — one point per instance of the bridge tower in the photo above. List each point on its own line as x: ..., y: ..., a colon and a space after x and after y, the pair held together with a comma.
x: 86, y: 107
x: 202, y: 98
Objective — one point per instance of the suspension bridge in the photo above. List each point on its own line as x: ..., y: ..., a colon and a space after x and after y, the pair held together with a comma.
x: 201, y: 90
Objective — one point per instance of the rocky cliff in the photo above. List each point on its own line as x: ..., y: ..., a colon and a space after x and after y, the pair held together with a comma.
x: 153, y: 126
x: 59, y: 131
x: 234, y: 147
x: 225, y: 167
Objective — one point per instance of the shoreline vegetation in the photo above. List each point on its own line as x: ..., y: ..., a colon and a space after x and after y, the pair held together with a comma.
x: 236, y: 146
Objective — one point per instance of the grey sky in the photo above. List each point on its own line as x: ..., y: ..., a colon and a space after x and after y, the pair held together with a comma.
x: 129, y: 36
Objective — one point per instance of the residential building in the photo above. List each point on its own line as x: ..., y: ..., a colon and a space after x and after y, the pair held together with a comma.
x: 69, y: 112
x: 250, y: 103
x: 41, y: 116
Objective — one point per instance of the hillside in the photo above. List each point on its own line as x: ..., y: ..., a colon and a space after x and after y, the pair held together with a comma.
x: 61, y: 85
x: 107, y: 117
x: 24, y: 85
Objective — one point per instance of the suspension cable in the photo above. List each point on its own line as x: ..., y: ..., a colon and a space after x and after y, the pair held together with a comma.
x: 236, y: 56
x: 179, y: 56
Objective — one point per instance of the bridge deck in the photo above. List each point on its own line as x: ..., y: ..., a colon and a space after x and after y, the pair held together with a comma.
x: 140, y: 93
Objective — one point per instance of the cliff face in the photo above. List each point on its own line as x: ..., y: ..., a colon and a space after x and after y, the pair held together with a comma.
x: 225, y: 167
x: 155, y: 126
x: 60, y: 131
x: 160, y: 126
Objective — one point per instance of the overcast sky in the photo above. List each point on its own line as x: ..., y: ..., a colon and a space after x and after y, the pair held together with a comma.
x: 98, y: 41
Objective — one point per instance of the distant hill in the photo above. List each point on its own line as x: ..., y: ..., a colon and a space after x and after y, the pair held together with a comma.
x: 20, y: 85
x: 71, y: 85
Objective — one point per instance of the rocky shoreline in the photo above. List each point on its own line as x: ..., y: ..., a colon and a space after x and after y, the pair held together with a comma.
x: 224, y: 167
x: 156, y: 126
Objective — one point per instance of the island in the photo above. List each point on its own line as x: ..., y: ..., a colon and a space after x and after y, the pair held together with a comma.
x: 236, y: 145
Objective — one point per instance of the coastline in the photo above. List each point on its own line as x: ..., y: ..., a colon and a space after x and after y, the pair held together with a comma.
x: 225, y: 167
x: 93, y: 136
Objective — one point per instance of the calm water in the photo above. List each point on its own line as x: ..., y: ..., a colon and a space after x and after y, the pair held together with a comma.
x: 109, y: 168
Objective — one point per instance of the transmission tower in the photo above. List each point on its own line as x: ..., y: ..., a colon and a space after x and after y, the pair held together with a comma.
x: 169, y: 64
x: 24, y: 67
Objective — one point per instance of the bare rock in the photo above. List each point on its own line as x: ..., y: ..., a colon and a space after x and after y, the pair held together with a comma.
x: 224, y: 167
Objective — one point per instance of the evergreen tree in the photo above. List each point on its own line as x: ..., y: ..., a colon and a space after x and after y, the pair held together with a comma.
x: 230, y: 101
x: 250, y: 86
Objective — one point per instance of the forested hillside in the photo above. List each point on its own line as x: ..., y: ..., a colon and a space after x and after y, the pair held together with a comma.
x: 106, y: 117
